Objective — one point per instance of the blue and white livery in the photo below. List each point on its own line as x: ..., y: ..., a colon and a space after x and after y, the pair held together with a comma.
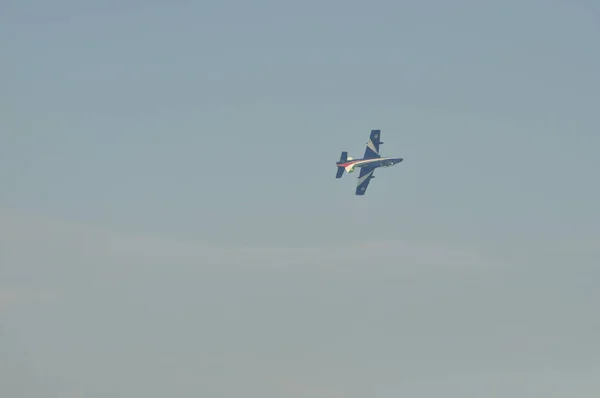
x: 370, y: 161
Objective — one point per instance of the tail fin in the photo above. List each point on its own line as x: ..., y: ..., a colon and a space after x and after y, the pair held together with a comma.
x: 340, y: 169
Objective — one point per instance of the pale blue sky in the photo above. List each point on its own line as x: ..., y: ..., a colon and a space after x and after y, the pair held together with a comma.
x: 170, y: 223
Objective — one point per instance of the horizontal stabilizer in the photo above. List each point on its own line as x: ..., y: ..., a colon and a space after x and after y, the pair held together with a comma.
x: 340, y: 170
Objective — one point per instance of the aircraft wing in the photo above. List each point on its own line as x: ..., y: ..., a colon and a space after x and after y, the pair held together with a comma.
x: 365, y: 176
x: 372, y: 150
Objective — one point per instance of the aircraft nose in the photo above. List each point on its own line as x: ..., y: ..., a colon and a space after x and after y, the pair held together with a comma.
x: 401, y: 159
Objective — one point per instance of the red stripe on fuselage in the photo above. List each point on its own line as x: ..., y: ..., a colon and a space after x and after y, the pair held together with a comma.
x: 349, y: 163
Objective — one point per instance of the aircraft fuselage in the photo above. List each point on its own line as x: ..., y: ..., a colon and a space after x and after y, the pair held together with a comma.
x: 373, y: 163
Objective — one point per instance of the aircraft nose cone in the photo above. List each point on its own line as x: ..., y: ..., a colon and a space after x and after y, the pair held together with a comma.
x: 400, y: 160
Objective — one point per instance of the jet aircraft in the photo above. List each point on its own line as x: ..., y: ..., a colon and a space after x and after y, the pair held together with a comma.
x: 369, y: 162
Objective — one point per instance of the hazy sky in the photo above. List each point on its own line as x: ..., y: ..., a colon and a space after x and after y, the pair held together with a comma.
x: 170, y: 224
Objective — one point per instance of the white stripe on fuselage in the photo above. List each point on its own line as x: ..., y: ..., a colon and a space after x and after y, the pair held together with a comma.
x: 361, y: 163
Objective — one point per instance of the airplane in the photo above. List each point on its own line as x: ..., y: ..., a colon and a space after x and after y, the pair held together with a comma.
x: 369, y: 162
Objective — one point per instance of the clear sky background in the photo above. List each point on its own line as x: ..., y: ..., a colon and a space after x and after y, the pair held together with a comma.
x: 170, y: 224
